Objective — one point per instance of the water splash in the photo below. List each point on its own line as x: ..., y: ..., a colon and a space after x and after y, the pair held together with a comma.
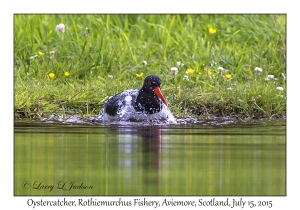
x: 68, y: 119
x: 127, y: 112
x: 186, y: 121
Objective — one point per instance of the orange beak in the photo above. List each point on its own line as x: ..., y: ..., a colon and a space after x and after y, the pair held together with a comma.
x: 160, y: 95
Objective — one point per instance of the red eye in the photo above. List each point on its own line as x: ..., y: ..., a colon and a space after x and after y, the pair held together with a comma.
x: 149, y: 82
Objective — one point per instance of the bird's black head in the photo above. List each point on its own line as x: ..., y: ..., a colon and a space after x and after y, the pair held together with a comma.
x: 150, y: 83
x: 152, y: 86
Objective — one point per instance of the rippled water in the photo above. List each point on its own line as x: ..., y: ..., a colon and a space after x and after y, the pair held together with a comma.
x: 193, y: 157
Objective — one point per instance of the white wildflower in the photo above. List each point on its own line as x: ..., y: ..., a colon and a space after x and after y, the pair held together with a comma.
x: 221, y: 68
x: 52, y: 52
x: 230, y: 88
x: 144, y: 63
x: 179, y: 64
x: 32, y: 57
x: 282, y: 74
x: 60, y: 28
x: 174, y: 70
x: 186, y: 78
x: 280, y: 88
x: 222, y: 71
x: 258, y: 70
x: 269, y: 77
x: 110, y: 76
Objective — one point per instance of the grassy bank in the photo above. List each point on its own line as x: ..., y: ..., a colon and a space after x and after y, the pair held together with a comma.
x: 74, y: 70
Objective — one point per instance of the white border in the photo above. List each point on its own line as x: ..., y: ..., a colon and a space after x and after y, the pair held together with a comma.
x: 8, y: 201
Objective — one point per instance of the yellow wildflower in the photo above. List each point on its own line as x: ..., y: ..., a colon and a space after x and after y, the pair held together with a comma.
x: 41, y: 53
x: 67, y: 74
x: 190, y: 71
x: 228, y: 76
x: 139, y: 75
x: 51, y: 75
x: 207, y: 70
x: 212, y: 30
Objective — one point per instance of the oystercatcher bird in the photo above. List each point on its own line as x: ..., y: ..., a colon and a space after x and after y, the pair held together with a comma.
x: 132, y: 104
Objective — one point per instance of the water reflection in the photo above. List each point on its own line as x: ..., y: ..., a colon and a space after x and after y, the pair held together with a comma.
x: 151, y: 155
x: 139, y: 149
x: 153, y: 160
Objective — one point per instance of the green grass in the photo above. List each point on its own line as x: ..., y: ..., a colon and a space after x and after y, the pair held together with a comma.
x: 95, y: 46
